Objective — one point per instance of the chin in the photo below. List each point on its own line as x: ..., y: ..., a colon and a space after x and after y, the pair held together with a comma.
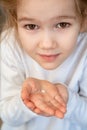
x: 49, y: 66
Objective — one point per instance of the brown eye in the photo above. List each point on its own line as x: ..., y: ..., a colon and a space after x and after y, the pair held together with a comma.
x: 63, y: 25
x: 31, y: 27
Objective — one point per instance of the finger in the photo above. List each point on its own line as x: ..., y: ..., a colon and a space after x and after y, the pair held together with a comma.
x: 59, y: 98
x: 52, y: 99
x: 58, y: 105
x: 42, y: 101
x: 59, y: 114
x: 45, y: 108
x: 29, y: 104
x: 34, y: 83
x: 63, y: 91
x: 53, y: 92
x: 41, y: 104
x: 54, y: 104
x: 26, y: 90
x: 39, y: 112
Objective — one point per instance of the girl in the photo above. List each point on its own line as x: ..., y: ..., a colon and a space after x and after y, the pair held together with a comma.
x: 44, y: 65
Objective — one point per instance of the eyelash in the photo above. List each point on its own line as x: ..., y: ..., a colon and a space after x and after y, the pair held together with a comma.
x: 62, y: 25
x: 31, y: 27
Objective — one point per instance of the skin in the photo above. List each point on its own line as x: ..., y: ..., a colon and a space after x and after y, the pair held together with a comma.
x: 51, y: 103
x: 49, y: 43
x: 48, y: 32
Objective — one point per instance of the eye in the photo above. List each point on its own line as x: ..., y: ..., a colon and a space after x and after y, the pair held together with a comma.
x: 63, y: 25
x: 31, y: 27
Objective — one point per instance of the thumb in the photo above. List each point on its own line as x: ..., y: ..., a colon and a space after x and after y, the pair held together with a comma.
x: 26, y: 91
x: 34, y: 85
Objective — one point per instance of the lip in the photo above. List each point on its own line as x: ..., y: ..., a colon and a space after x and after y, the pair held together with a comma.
x: 49, y: 58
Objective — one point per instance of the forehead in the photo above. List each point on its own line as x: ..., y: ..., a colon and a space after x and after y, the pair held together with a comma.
x: 45, y: 8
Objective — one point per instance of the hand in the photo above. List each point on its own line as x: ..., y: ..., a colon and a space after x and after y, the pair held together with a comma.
x: 42, y: 103
x: 63, y: 92
x: 45, y: 107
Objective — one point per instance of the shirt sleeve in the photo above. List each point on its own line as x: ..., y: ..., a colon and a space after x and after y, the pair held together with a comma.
x: 12, y: 109
x: 77, y: 104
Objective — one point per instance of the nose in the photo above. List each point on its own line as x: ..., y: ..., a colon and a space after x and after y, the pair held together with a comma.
x: 47, y: 40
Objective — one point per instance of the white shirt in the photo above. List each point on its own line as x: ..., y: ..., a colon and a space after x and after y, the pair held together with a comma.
x: 16, y: 66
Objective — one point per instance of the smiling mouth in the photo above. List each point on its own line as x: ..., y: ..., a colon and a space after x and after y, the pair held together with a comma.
x: 49, y: 58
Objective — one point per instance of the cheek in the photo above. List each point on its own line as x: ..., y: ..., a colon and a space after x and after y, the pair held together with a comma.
x: 27, y: 42
x: 69, y: 41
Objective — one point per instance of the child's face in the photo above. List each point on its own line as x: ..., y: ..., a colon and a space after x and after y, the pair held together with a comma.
x: 48, y: 30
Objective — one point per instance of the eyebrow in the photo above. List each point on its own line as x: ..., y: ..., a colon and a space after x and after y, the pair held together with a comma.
x: 54, y: 18
x: 25, y: 19
x: 65, y: 17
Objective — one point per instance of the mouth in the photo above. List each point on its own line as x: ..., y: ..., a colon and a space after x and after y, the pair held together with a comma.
x: 49, y: 58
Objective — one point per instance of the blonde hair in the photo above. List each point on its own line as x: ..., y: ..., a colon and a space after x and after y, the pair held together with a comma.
x: 10, y: 8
